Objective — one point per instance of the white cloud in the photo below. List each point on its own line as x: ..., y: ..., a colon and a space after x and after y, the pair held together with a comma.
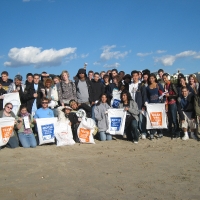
x: 107, y: 54
x: 115, y: 65
x: 84, y: 55
x: 197, y: 56
x: 161, y: 51
x: 144, y: 54
x: 169, y: 60
x: 96, y: 63
x: 35, y: 56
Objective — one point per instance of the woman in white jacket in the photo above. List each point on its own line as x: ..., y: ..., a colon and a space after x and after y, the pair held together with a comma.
x: 100, y: 112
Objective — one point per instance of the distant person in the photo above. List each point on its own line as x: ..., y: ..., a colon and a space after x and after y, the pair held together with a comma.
x: 90, y: 75
x: 160, y: 74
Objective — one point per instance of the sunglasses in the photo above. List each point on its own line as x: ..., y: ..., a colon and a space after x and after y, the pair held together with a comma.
x: 44, y: 102
x: 9, y: 107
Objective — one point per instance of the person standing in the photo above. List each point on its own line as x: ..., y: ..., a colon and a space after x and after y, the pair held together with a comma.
x: 138, y: 94
x: 154, y: 91
x: 83, y: 87
x: 97, y: 89
x: 171, y: 95
x: 66, y: 89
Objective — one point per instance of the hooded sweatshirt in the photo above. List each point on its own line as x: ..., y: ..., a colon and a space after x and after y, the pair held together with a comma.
x: 101, y: 116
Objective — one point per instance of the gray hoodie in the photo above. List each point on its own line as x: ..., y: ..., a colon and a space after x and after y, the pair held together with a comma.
x: 101, y: 116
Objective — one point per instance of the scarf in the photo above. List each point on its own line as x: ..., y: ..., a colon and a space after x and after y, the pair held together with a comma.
x: 26, y: 130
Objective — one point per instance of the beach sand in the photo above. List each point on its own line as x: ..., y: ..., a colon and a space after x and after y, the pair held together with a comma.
x: 117, y: 169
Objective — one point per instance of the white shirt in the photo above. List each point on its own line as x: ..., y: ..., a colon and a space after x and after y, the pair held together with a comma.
x: 132, y: 89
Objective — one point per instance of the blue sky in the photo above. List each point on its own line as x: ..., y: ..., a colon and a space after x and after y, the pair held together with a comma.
x: 56, y: 35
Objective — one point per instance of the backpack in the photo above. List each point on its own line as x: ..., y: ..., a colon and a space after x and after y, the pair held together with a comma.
x: 197, y: 105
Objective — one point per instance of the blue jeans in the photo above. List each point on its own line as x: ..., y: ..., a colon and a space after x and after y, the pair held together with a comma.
x: 13, y: 142
x: 27, y: 140
x: 134, y: 130
x: 142, y: 124
x: 172, y: 116
x: 105, y: 136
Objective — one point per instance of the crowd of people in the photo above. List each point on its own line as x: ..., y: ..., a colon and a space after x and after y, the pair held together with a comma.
x: 47, y: 95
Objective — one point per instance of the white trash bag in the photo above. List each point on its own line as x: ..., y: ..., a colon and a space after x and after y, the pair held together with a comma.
x: 85, y: 130
x: 116, y: 121
x: 46, y: 129
x: 63, y: 134
x: 156, y: 116
x: 6, y: 129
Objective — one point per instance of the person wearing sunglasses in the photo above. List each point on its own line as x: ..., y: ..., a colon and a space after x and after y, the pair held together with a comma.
x: 44, y: 111
x: 7, y: 112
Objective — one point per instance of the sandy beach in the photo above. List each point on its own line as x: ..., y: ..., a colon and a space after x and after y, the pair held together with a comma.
x: 117, y: 169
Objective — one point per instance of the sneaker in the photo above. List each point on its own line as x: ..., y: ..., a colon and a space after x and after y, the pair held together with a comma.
x: 192, y: 136
x: 135, y: 142
x: 143, y: 137
x: 124, y: 136
x: 185, y: 137
x: 151, y: 137
x: 160, y: 135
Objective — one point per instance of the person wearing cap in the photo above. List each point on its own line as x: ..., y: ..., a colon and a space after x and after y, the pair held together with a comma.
x: 83, y: 87
x: 17, y: 86
x: 74, y: 118
x: 63, y: 113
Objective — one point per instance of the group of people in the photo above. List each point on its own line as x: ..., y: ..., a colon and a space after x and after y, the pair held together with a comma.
x: 48, y: 95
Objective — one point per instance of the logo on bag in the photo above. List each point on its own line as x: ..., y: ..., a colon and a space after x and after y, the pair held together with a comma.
x: 115, y: 123
x: 84, y: 134
x: 47, y: 131
x: 6, y: 133
x: 156, y: 118
x: 115, y: 103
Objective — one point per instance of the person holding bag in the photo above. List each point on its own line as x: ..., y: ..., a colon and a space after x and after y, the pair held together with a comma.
x: 24, y: 126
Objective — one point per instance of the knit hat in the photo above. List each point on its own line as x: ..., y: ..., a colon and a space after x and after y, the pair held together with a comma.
x: 19, y: 77
x: 81, y: 71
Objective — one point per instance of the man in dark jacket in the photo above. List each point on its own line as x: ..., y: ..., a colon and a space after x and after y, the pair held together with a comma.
x: 138, y: 94
x: 83, y: 87
x: 187, y: 113
x: 33, y: 94
x: 97, y: 89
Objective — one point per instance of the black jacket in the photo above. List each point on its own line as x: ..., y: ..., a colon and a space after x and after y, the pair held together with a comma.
x: 97, y: 89
x: 2, y: 92
x: 141, y: 96
x: 28, y: 95
x: 189, y: 107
